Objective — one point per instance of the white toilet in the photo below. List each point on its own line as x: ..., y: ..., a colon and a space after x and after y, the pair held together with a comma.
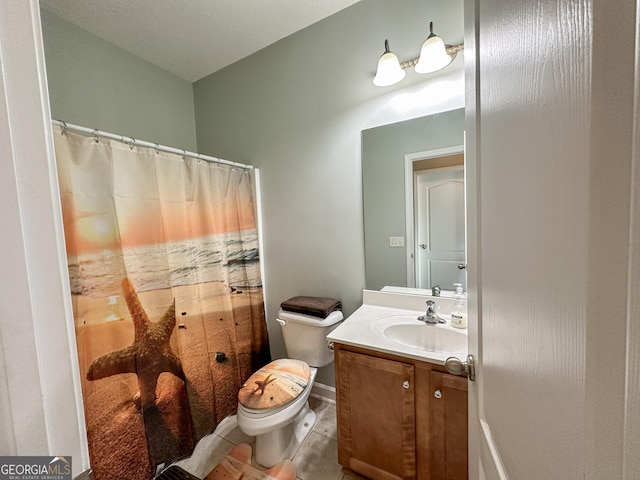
x: 273, y: 403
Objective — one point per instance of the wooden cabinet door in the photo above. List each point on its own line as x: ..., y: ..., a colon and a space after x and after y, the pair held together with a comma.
x: 376, y: 416
x: 449, y: 427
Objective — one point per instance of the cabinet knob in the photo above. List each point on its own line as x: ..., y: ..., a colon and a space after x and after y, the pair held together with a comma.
x: 406, y: 384
x: 437, y: 394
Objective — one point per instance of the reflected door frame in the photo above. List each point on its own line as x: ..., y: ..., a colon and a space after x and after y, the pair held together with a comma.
x: 409, y: 160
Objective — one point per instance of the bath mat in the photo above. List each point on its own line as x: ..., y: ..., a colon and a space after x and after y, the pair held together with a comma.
x: 237, y: 465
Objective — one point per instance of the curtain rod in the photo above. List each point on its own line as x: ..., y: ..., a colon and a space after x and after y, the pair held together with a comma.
x: 141, y: 143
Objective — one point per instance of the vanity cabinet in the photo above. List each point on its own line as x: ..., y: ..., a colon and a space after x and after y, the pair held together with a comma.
x: 399, y: 418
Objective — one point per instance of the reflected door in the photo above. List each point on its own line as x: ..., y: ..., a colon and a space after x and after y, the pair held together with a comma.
x: 440, y: 227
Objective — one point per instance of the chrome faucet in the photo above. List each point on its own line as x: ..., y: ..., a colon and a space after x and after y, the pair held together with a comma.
x: 431, y: 316
x: 435, y: 291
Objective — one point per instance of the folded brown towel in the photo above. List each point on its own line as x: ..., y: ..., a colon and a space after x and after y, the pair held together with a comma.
x: 314, y: 306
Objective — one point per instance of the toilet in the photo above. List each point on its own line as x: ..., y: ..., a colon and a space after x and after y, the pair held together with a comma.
x: 273, y: 403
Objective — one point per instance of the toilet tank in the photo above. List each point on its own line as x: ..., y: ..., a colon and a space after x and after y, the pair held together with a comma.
x: 305, y: 336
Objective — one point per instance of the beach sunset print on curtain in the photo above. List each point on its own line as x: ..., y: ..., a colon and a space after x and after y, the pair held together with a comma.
x: 167, y: 296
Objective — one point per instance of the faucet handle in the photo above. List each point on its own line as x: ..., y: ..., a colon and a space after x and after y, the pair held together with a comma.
x: 431, y: 306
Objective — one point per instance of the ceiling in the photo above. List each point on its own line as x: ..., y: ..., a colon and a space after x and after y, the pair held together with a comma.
x: 193, y: 38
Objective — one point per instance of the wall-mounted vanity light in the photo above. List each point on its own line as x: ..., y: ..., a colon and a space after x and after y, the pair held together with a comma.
x: 434, y: 56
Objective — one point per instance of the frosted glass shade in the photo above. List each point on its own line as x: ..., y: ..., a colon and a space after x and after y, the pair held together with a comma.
x: 389, y: 70
x: 433, y: 55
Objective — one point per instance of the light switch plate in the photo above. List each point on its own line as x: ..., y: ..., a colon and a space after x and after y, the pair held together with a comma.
x: 396, y: 241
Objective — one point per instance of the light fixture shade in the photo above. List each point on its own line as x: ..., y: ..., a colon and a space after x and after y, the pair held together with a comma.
x: 389, y: 69
x: 433, y: 55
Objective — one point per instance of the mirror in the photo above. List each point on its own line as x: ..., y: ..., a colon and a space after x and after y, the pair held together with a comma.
x: 388, y: 152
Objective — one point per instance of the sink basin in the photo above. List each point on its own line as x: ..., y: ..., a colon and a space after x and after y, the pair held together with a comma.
x: 406, y: 330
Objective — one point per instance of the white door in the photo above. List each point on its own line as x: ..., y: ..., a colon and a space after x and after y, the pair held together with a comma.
x: 440, y: 235
x: 552, y: 281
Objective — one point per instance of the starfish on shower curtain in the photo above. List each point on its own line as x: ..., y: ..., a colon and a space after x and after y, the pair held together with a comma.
x: 148, y: 356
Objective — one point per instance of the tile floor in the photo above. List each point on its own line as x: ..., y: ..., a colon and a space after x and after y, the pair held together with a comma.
x: 316, y: 459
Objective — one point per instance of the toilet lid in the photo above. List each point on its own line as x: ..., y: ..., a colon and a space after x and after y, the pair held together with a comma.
x: 275, y: 384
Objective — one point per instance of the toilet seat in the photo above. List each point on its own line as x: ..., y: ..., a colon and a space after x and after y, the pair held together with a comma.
x: 251, y: 413
x: 274, y: 386
x: 257, y: 422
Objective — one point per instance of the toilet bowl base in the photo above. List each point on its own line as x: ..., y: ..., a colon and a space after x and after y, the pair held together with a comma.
x: 282, y: 443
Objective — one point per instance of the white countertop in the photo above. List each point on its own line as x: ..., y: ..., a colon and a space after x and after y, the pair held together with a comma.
x: 356, y: 330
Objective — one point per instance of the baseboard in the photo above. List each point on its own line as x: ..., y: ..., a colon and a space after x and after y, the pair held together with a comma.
x: 324, y: 392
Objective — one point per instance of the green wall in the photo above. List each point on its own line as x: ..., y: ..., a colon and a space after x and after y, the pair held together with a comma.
x: 383, y: 171
x: 95, y: 84
x: 296, y: 110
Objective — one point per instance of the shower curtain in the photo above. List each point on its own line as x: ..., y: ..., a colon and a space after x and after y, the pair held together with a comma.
x: 167, y: 297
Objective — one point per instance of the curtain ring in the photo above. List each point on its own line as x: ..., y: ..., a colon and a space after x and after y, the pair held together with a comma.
x: 157, y: 149
x: 132, y: 143
x: 96, y: 137
x: 64, y: 127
